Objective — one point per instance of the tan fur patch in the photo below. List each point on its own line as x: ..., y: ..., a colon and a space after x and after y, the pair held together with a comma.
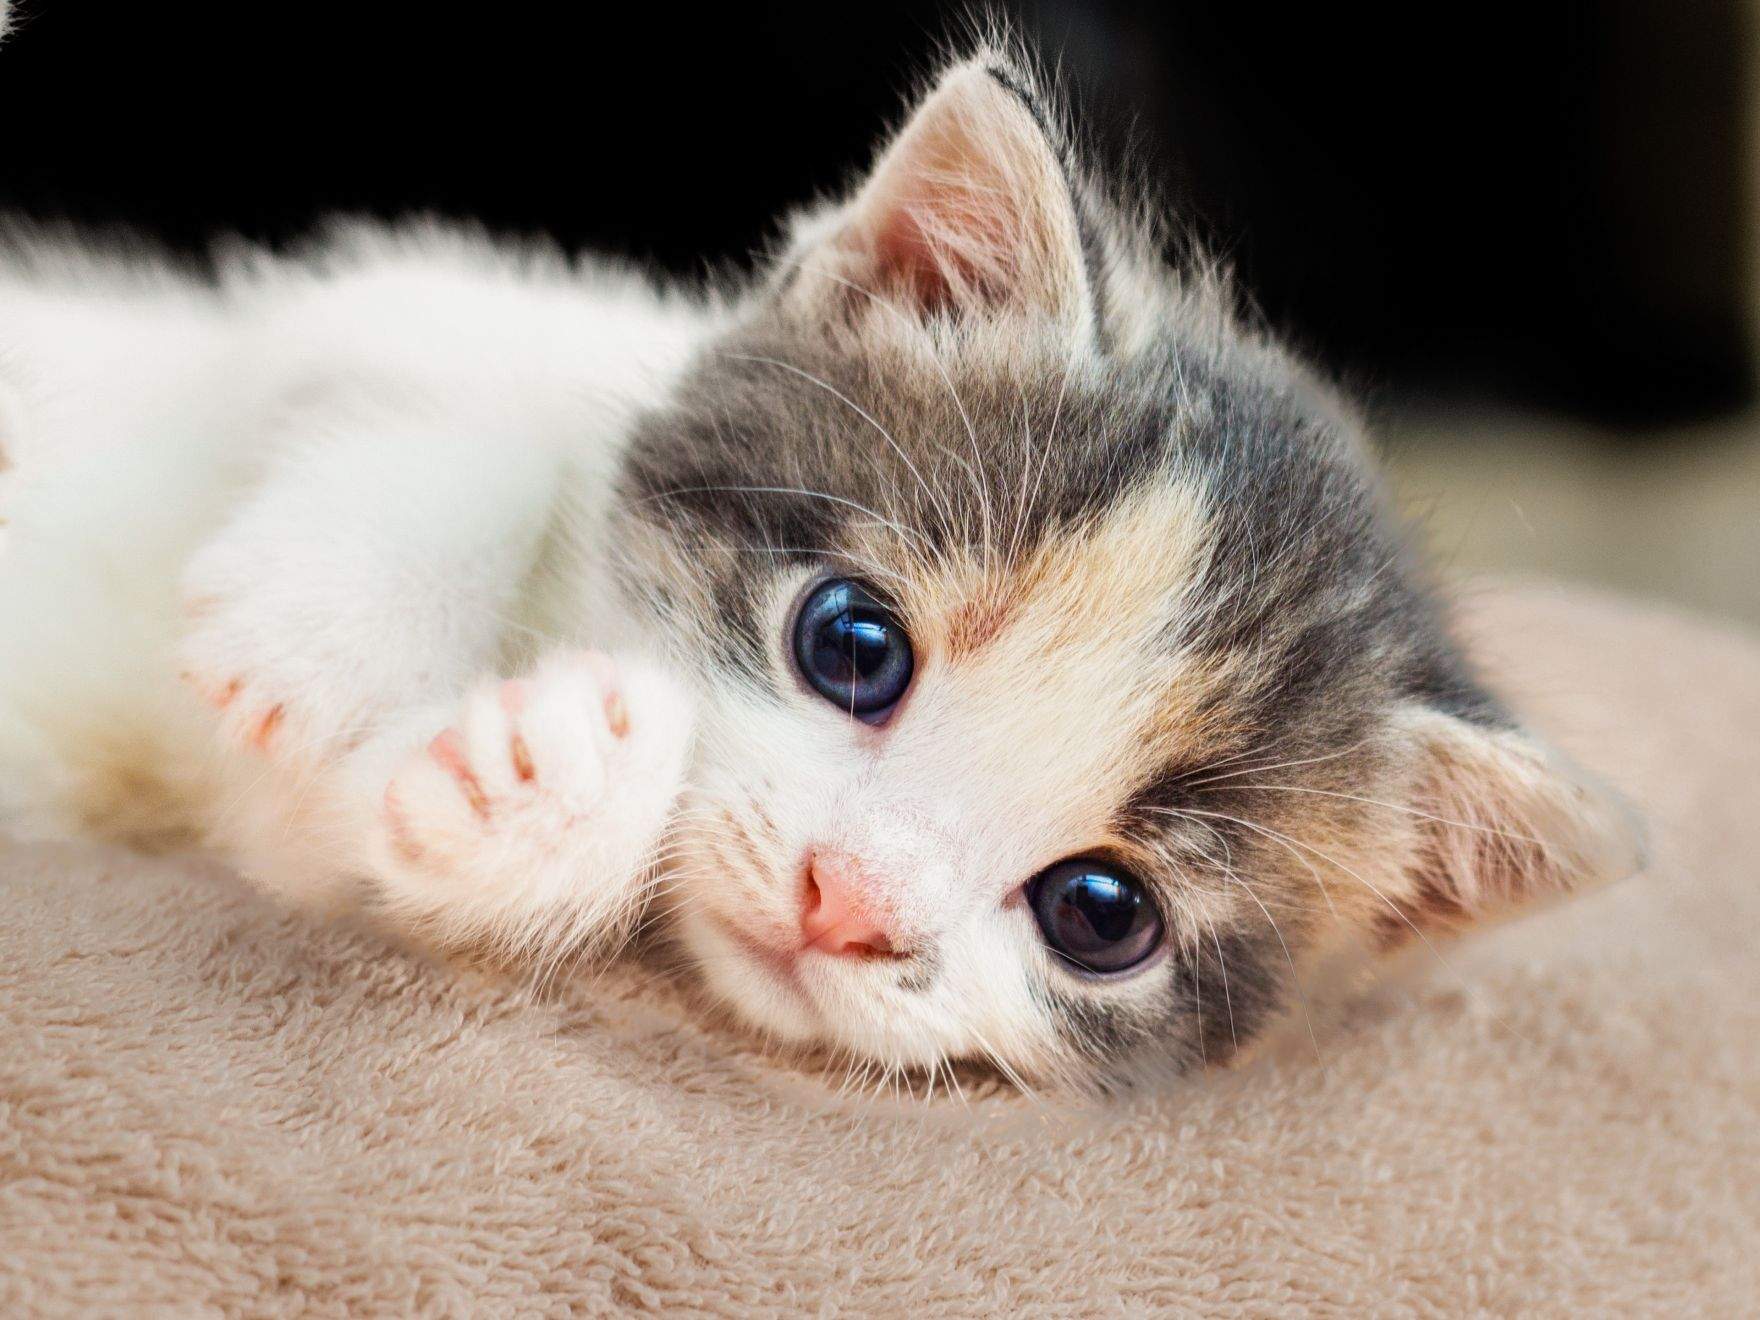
x: 1118, y: 581
x: 972, y: 625
x: 1069, y: 654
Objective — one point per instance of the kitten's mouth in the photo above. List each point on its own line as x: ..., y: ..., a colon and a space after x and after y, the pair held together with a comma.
x: 794, y: 992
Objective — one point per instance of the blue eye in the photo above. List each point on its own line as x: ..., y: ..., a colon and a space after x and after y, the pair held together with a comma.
x: 1094, y: 915
x: 851, y: 650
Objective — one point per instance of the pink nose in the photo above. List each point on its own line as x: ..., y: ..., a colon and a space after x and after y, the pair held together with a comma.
x: 835, y: 917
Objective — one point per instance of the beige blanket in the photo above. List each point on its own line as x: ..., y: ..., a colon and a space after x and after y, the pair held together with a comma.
x: 211, y: 1107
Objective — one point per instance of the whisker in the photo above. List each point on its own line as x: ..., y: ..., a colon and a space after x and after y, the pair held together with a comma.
x: 1265, y: 769
x: 1301, y: 993
x: 1392, y: 806
x: 868, y: 565
x: 880, y: 519
x: 979, y: 480
x: 933, y: 495
x: 1227, y: 998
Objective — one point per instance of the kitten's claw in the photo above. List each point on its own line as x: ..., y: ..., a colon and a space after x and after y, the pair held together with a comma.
x: 291, y: 665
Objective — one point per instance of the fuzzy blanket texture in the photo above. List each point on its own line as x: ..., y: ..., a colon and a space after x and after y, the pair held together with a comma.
x: 212, y: 1107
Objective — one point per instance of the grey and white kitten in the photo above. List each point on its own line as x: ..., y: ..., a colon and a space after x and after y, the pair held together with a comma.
x: 966, y: 641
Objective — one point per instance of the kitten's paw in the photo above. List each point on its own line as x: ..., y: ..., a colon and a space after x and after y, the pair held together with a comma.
x: 250, y: 717
x: 255, y: 708
x: 533, y: 817
x: 288, y: 662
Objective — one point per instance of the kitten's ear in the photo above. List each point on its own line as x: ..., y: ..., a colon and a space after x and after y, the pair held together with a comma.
x: 1505, y: 823
x: 968, y: 212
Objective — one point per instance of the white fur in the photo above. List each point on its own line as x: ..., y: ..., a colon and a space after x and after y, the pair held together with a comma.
x: 315, y: 495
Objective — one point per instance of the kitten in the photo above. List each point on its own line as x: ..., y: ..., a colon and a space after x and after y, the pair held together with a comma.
x: 966, y: 640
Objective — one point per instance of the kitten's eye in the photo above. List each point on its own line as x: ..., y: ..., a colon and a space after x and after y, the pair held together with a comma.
x: 851, y: 650
x: 1095, y: 915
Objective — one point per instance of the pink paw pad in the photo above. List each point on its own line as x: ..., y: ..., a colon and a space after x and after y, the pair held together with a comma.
x: 524, y: 757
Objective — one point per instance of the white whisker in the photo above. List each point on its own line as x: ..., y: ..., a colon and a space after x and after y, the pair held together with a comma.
x: 865, y: 415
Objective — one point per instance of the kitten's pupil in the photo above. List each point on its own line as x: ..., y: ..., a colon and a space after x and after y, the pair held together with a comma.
x: 851, y: 650
x: 851, y: 646
x: 1106, y: 906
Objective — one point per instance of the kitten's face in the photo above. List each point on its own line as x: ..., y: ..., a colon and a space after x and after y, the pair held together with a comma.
x: 1068, y: 700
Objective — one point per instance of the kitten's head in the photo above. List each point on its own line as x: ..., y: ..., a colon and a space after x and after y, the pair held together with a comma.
x: 1070, y: 695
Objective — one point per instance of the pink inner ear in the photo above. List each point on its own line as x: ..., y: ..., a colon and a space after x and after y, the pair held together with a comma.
x: 941, y: 246
x: 1503, y: 824
x: 968, y: 211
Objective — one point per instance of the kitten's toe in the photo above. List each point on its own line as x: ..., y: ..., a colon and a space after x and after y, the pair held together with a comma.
x: 448, y: 752
x: 567, y: 720
x: 543, y: 735
x: 525, y: 758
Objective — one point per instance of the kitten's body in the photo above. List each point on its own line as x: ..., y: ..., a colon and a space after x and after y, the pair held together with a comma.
x: 417, y: 412
x: 278, y: 547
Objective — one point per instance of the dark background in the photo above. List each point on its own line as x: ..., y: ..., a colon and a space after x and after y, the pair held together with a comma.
x: 1537, y: 203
